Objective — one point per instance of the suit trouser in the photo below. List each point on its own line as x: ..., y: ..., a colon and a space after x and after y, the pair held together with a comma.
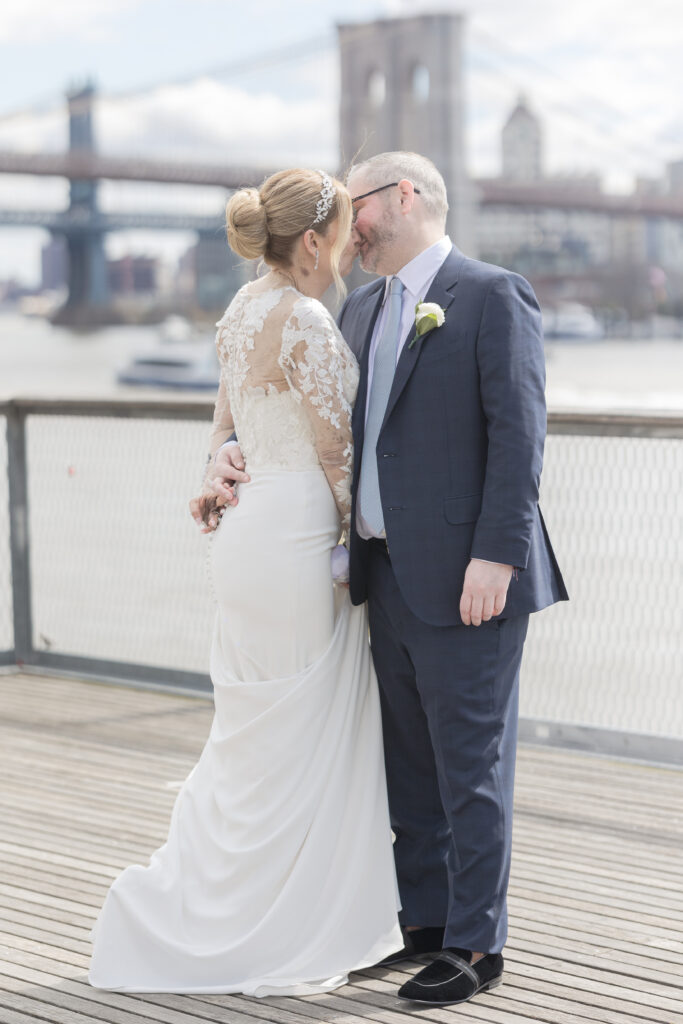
x: 449, y: 711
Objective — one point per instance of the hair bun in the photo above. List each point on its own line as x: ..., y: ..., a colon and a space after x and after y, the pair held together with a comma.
x: 247, y: 225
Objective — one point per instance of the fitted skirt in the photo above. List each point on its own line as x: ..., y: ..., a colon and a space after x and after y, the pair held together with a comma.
x: 277, y: 876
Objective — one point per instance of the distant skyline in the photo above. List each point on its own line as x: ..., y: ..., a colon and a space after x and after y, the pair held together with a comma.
x: 605, y: 80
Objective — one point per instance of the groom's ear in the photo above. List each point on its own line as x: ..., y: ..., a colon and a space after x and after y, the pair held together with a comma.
x: 406, y: 191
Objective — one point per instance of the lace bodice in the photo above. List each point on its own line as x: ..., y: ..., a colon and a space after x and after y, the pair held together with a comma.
x: 288, y: 381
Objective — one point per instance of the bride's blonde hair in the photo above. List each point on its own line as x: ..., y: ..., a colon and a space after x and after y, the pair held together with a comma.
x: 266, y: 222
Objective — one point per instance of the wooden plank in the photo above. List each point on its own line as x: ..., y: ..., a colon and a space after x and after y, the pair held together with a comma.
x: 664, y: 967
x: 24, y: 919
x: 63, y: 1007
x: 50, y: 859
x: 144, y: 1008
x: 14, y: 1017
x: 595, y: 896
x: 594, y: 1007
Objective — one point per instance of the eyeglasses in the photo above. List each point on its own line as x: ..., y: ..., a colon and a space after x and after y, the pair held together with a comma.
x: 381, y: 188
x: 392, y: 184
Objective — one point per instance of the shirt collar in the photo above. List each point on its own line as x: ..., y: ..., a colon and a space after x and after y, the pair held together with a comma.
x: 419, y: 273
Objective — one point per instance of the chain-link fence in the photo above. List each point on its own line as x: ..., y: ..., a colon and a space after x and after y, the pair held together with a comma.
x: 115, y: 580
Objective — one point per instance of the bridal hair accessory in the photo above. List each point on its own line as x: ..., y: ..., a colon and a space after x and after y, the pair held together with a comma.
x: 428, y: 315
x: 327, y: 194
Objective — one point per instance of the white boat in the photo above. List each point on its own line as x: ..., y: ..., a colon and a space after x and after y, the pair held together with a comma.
x: 174, y: 364
x: 572, y: 322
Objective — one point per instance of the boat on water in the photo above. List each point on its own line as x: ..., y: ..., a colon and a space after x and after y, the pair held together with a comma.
x: 179, y: 359
x: 572, y: 322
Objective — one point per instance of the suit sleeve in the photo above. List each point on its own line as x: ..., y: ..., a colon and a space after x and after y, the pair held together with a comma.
x: 511, y: 366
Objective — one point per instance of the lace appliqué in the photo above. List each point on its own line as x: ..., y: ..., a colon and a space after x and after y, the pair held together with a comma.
x: 288, y: 381
x: 323, y: 373
x: 243, y: 319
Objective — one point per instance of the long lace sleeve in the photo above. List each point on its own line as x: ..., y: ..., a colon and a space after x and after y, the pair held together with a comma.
x: 223, y: 424
x: 323, y: 375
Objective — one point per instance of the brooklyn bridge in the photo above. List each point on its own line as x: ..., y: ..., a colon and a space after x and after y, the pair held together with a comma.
x: 395, y: 119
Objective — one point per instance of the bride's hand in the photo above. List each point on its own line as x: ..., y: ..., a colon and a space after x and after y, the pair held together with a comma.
x: 220, y: 487
x: 207, y: 510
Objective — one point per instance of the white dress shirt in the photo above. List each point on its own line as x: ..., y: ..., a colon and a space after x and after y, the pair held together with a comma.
x: 416, y: 277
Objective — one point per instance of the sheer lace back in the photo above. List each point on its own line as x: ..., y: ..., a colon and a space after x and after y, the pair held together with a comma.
x: 288, y: 381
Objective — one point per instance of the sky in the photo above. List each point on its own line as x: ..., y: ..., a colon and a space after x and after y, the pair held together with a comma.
x: 257, y: 83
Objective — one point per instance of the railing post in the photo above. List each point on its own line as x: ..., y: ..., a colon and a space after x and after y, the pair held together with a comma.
x: 19, y: 534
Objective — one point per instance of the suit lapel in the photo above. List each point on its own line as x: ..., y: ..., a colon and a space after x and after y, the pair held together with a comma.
x: 441, y: 292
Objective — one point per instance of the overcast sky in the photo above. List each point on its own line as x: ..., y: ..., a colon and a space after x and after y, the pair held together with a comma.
x: 605, y: 77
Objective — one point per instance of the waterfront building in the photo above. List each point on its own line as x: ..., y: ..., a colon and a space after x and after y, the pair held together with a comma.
x: 522, y: 144
x: 54, y: 266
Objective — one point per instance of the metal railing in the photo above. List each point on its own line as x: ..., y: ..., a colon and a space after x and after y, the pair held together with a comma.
x: 106, y: 571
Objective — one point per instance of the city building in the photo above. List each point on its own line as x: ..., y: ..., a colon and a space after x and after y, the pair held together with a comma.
x: 209, y: 273
x: 54, y: 266
x: 132, y: 275
x: 571, y: 239
x: 522, y: 145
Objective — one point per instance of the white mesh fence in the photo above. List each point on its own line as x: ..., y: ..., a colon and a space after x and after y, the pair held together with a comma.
x: 6, y: 623
x: 613, y: 656
x: 117, y: 564
x: 118, y: 568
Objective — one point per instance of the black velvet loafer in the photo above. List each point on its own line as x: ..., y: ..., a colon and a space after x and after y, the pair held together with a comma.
x: 452, y: 979
x: 417, y: 942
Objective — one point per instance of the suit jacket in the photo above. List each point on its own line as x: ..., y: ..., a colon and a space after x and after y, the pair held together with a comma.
x: 460, y: 449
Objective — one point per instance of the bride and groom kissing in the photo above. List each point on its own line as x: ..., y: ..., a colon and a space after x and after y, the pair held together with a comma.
x: 416, y: 423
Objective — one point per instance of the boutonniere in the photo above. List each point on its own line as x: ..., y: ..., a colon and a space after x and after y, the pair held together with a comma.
x: 428, y: 315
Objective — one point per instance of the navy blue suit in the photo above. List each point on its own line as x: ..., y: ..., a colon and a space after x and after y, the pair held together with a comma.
x: 459, y: 459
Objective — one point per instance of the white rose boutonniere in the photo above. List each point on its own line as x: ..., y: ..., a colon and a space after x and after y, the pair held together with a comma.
x: 428, y: 315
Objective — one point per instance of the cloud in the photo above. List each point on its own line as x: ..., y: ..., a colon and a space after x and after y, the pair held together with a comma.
x: 204, y: 121
x: 603, y: 79
x: 212, y: 121
x: 29, y: 21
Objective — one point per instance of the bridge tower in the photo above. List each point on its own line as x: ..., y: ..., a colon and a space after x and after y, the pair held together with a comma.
x: 87, y: 281
x: 401, y: 88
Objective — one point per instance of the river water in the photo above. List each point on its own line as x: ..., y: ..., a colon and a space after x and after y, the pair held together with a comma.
x: 39, y: 359
x: 118, y: 567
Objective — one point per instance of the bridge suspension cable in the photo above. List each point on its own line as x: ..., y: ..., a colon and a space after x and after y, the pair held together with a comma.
x: 304, y: 48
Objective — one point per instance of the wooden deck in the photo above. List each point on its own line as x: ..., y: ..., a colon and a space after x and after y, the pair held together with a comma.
x: 89, y: 774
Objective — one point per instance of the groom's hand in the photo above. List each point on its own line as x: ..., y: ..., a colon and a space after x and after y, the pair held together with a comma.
x: 485, y: 591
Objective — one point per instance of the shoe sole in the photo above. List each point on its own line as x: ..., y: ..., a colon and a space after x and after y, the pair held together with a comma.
x: 494, y: 983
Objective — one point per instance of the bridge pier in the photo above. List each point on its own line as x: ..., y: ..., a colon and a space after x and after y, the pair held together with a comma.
x: 88, y: 289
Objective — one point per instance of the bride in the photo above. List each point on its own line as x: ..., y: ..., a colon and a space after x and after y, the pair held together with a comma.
x: 277, y: 876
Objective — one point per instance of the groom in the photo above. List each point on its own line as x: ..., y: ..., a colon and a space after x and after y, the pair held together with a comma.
x: 449, y: 548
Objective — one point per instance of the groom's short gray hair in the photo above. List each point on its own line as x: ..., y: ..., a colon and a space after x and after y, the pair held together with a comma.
x: 386, y: 167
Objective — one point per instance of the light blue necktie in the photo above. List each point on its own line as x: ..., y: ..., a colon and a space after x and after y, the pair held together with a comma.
x: 383, y: 371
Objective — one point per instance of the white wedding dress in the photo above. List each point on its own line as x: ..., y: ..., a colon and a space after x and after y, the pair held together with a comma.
x: 277, y: 876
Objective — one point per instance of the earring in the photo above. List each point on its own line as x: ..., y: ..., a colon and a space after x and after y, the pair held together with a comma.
x: 317, y: 258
